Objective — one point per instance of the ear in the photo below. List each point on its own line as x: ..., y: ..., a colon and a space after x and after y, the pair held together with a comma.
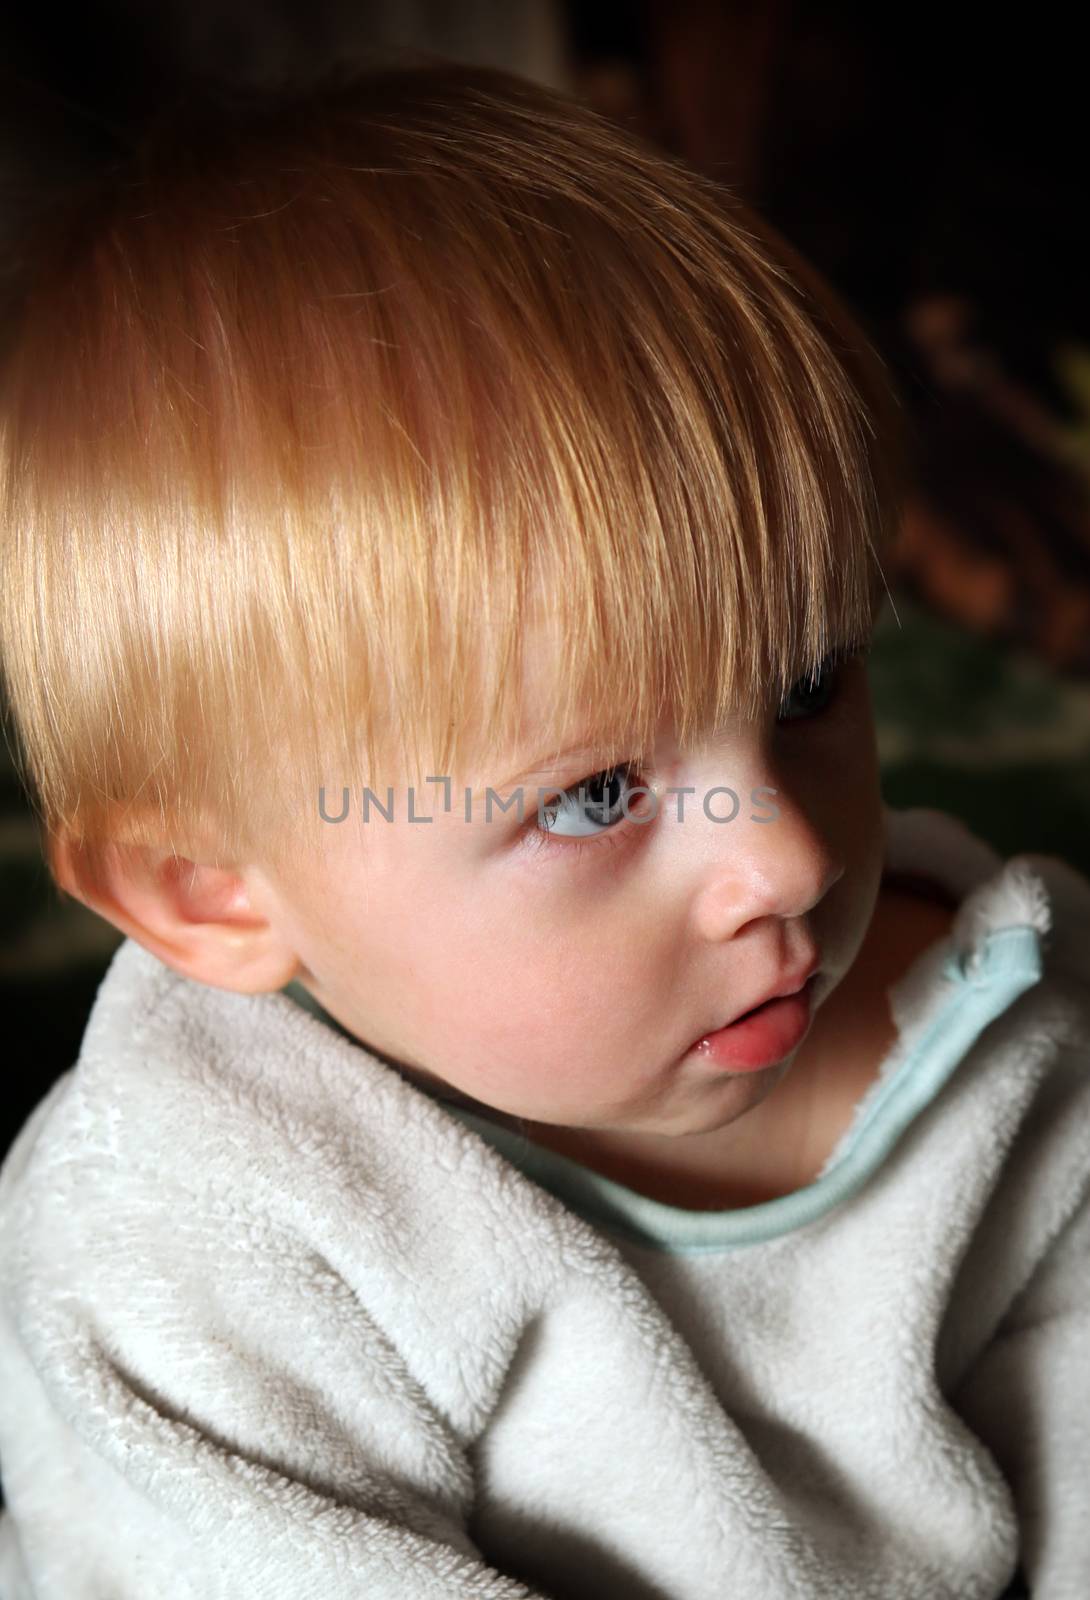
x: 213, y: 923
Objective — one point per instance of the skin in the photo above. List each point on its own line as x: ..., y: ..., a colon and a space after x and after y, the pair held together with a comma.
x: 560, y: 987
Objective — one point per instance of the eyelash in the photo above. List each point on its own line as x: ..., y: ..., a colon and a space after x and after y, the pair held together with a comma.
x: 609, y: 838
x: 838, y: 658
x: 613, y: 838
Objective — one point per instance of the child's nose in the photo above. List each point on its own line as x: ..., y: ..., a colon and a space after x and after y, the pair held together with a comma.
x: 747, y: 870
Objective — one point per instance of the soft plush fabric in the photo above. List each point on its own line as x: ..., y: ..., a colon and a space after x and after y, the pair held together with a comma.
x: 276, y: 1323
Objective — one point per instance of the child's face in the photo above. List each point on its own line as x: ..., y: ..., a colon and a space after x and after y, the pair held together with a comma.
x: 563, y: 981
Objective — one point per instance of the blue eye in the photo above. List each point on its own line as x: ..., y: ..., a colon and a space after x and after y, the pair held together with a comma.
x: 593, y: 805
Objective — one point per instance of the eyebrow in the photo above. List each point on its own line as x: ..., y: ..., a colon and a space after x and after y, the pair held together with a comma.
x: 550, y: 763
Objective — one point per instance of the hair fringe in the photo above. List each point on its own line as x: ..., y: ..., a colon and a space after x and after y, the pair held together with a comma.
x: 326, y: 413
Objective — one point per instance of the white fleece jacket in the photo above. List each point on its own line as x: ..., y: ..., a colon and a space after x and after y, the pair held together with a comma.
x: 278, y: 1324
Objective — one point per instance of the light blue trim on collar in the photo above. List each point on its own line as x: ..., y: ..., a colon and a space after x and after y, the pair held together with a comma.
x: 984, y: 981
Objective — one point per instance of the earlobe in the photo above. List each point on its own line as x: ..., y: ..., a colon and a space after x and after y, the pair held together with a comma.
x: 198, y: 919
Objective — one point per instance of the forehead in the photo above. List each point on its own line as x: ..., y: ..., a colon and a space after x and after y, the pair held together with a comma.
x: 550, y: 704
x: 553, y: 722
x: 542, y: 716
x: 547, y: 667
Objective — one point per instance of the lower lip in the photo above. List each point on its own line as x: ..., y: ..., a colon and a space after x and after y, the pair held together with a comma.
x: 762, y: 1037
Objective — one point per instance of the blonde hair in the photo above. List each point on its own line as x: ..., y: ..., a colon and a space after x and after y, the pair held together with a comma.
x: 312, y: 400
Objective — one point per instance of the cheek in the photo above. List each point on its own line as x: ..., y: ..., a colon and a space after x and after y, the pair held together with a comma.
x: 522, y: 990
x: 862, y: 844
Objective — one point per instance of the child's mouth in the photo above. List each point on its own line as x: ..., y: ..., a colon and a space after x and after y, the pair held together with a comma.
x: 762, y: 1036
